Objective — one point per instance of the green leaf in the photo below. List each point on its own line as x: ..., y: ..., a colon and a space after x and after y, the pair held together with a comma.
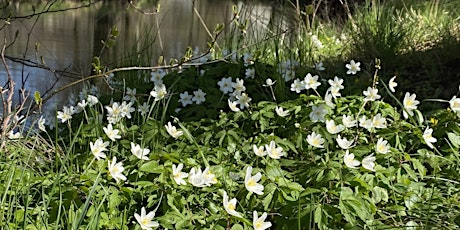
x: 152, y: 167
x: 419, y: 166
x: 410, y: 171
x: 273, y: 172
x: 270, y: 190
x: 454, y: 139
x: 379, y: 194
x: 283, y: 182
x: 309, y: 191
x: 237, y: 227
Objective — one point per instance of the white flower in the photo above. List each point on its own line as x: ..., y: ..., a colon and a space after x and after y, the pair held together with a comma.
x: 454, y: 104
x: 353, y: 67
x: 297, y: 86
x: 348, y: 121
x: 146, y: 220
x: 288, y: 74
x: 41, y: 124
x: 259, y: 222
x: 196, y: 178
x: 178, y: 175
x: 139, y: 152
x: 365, y: 123
x: 200, y: 178
x: 318, y: 113
x: 116, y: 170
x: 130, y: 95
x: 335, y: 91
x: 243, y: 100
x: 238, y: 85
x: 250, y: 73
x: 311, y: 82
x: 126, y: 109
x: 66, y: 114
x: 349, y: 160
x: 269, y: 82
x: 259, y: 151
x: 371, y: 94
x: 114, y: 113
x: 225, y: 85
x: 173, y: 131
x: 379, y: 122
x: 273, y: 151
x: 143, y: 109
x: 428, y: 138
x: 328, y: 99
x: 81, y: 106
x: 248, y: 59
x: 332, y: 128
x: 319, y: 66
x: 344, y: 143
x: 233, y: 105
x: 199, y: 96
x: 92, y: 100
x: 409, y: 104
x: 185, y: 98
x: 230, y: 206
x: 369, y: 162
x: 98, y: 148
x: 336, y: 83
x: 316, y: 42
x: 382, y: 146
x: 251, y: 182
x: 111, y: 133
x: 12, y: 135
x: 281, y: 112
x: 315, y: 140
x: 157, y: 76
x: 159, y: 92
x: 392, y: 84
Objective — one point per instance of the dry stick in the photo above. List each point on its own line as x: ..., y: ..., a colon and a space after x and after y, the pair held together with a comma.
x: 345, y: 5
x: 7, y: 104
x: 159, y: 36
x: 204, y: 25
x: 142, y: 11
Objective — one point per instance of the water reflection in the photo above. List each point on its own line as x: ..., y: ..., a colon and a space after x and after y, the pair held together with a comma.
x: 69, y: 40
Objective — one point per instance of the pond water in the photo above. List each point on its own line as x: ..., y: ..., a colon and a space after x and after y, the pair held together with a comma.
x: 68, y: 40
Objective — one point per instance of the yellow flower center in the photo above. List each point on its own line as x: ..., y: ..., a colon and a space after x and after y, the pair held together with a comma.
x: 251, y: 182
x: 145, y: 221
x: 315, y: 141
x: 231, y: 207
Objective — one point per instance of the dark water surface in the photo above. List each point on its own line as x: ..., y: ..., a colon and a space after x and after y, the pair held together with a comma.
x: 69, y: 40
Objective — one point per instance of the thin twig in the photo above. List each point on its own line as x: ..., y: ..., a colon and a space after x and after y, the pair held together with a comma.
x: 7, y: 104
x: 49, y: 11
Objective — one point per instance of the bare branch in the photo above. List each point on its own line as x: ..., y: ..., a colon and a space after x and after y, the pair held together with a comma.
x: 28, y: 16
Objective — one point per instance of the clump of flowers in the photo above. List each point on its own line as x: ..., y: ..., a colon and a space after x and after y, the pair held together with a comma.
x: 328, y: 157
